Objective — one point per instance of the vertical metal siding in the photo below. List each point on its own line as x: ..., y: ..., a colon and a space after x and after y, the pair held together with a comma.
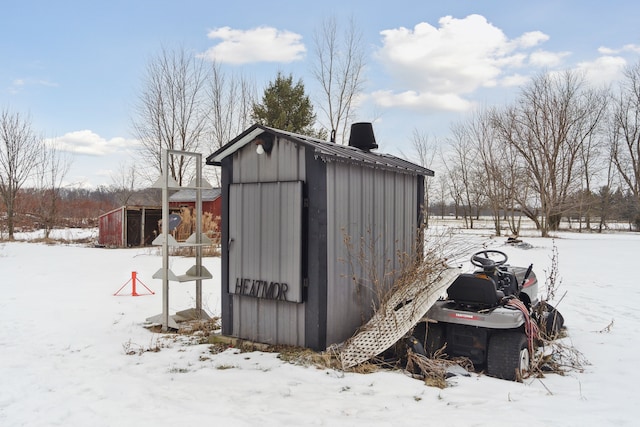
x: 111, y: 228
x: 285, y: 163
x: 380, y: 247
x: 255, y: 318
x: 376, y: 210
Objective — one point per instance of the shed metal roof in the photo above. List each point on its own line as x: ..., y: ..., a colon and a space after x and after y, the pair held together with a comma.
x: 189, y: 195
x: 130, y: 208
x: 326, y: 151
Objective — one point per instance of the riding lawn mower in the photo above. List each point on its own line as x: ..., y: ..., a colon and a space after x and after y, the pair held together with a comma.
x: 492, y: 316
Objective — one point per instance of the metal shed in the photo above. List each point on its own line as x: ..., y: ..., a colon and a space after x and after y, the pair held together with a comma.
x: 307, y: 227
x: 129, y: 226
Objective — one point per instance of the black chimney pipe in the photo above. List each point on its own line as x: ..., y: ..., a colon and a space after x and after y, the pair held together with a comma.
x: 362, y: 136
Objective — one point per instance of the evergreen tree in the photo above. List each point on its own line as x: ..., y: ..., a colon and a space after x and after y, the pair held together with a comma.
x: 285, y: 106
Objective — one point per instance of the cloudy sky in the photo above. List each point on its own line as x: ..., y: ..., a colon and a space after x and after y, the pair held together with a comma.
x: 76, y: 67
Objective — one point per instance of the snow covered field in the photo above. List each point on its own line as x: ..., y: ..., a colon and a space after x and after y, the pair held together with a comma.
x: 64, y: 339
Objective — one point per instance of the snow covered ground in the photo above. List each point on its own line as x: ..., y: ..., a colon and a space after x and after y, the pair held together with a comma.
x: 64, y: 338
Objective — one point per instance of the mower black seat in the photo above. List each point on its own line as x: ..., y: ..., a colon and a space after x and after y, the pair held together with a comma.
x: 475, y: 289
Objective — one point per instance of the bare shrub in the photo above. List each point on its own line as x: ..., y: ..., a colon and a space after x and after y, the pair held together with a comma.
x: 607, y: 328
x: 555, y: 354
x: 434, y: 371
x: 399, y: 303
x: 199, y: 327
x: 552, y: 281
x: 557, y: 357
x: 130, y: 348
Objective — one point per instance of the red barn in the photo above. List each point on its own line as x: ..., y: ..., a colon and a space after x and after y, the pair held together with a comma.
x: 137, y: 225
x: 129, y: 226
x: 184, y: 202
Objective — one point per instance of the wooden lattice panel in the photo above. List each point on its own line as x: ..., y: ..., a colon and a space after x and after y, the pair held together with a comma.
x: 395, y: 317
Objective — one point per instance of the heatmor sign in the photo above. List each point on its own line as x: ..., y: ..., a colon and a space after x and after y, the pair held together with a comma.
x: 261, y: 289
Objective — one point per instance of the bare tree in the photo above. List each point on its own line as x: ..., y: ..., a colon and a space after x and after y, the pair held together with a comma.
x: 20, y: 151
x: 517, y: 192
x: 170, y: 112
x: 606, y: 195
x: 467, y: 172
x: 50, y: 173
x: 456, y: 189
x: 501, y: 175
x: 442, y: 186
x: 591, y: 165
x: 230, y: 99
x: 548, y: 127
x: 425, y: 150
x: 478, y: 130
x: 123, y: 183
x: 338, y: 65
x: 625, y: 135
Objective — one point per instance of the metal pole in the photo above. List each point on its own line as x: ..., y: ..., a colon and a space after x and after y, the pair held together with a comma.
x: 199, y: 234
x: 165, y: 242
x: 133, y: 284
x: 142, y: 225
x: 123, y: 228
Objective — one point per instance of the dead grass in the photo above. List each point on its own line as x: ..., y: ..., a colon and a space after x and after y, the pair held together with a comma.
x: 434, y: 371
x: 304, y: 356
x: 200, y: 327
x: 607, y: 328
x: 557, y: 357
x: 218, y: 347
x: 56, y: 241
x: 207, y: 251
x: 130, y: 348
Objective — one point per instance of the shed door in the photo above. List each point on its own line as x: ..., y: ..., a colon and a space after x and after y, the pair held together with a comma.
x: 265, y: 232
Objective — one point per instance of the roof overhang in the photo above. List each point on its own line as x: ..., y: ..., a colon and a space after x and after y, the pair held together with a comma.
x: 235, y: 144
x: 326, y: 151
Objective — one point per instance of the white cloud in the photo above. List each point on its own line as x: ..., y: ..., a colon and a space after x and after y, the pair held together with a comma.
x: 603, y: 70
x: 544, y: 58
x: 421, y: 100
x: 89, y: 143
x: 440, y: 65
x: 458, y: 56
x: 514, y: 80
x: 18, y: 84
x: 633, y: 48
x: 607, y: 50
x: 262, y: 44
x: 610, y: 65
x: 531, y: 39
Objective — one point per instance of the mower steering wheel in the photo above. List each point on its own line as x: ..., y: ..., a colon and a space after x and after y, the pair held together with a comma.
x: 488, y: 263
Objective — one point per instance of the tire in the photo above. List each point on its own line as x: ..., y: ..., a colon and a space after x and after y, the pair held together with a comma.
x: 551, y: 321
x: 508, y: 355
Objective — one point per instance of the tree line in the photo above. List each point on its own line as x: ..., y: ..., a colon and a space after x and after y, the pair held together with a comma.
x: 562, y: 150
x: 185, y: 103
